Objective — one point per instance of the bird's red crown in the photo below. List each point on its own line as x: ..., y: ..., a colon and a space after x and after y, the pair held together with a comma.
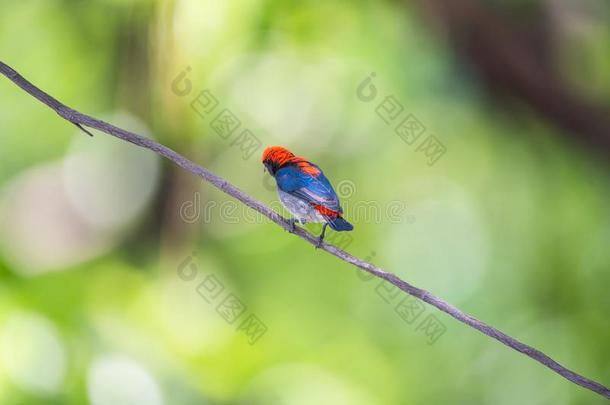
x: 276, y: 157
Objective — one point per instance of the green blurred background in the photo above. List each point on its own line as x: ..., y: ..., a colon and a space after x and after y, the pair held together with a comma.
x: 511, y: 224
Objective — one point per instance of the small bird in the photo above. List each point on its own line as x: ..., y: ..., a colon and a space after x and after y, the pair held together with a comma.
x: 304, y: 190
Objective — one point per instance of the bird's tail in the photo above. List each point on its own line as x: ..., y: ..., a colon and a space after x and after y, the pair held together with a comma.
x: 339, y: 224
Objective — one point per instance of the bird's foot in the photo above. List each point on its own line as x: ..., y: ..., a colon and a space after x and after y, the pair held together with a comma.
x: 321, y: 237
x: 320, y: 241
x: 292, y: 222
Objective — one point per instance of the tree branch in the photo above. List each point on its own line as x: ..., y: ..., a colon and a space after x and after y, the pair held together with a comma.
x: 80, y: 119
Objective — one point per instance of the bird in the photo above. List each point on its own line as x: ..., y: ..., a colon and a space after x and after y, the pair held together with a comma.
x: 304, y: 190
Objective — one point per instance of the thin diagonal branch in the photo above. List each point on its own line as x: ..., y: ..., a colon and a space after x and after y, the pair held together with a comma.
x: 79, y: 119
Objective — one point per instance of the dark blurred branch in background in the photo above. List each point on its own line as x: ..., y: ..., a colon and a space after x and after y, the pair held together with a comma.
x: 78, y: 118
x: 516, y: 61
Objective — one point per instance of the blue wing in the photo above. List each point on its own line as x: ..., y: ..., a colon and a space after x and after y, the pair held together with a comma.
x: 313, y: 189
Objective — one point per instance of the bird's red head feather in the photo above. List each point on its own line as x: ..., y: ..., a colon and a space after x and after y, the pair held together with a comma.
x: 276, y: 157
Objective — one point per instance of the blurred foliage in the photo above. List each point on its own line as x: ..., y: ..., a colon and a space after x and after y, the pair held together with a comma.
x: 511, y: 224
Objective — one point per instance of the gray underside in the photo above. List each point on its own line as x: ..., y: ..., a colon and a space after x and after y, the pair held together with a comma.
x: 300, y: 209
